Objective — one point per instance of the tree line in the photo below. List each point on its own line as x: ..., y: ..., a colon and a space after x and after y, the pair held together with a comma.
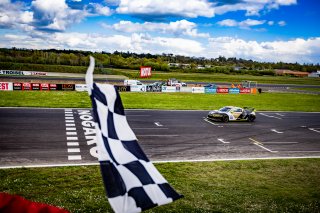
x: 15, y: 57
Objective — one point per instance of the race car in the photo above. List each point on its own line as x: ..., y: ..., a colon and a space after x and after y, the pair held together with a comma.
x: 232, y: 113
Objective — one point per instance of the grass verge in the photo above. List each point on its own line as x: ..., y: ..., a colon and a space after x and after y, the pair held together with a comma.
x: 234, y: 186
x: 264, y: 101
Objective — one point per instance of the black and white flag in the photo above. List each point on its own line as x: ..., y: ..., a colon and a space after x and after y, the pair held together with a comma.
x: 132, y: 182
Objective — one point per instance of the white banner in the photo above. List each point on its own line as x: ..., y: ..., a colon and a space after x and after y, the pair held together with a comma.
x: 138, y: 88
x: 185, y: 89
x: 81, y: 88
x: 168, y: 89
x: 197, y: 89
x: 18, y: 72
x: 7, y: 86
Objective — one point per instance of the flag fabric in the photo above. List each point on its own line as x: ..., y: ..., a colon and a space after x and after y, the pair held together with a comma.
x: 131, y: 181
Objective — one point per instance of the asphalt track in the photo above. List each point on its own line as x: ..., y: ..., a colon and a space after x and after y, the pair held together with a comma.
x: 39, y: 137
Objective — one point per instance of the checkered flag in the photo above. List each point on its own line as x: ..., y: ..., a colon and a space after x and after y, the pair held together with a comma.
x: 132, y: 182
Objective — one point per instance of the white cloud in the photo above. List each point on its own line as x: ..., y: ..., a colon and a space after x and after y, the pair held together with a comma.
x: 139, y: 43
x: 55, y: 15
x: 228, y: 23
x: 282, y: 23
x: 270, y: 23
x: 185, y: 8
x: 297, y: 50
x: 101, y: 10
x: 253, y: 7
x: 182, y: 27
x: 246, y: 24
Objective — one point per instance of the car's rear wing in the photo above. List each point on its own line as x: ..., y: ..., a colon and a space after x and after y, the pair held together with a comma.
x: 251, y: 109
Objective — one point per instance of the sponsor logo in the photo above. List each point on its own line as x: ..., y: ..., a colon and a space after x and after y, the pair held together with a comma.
x: 245, y: 90
x: 11, y: 72
x: 223, y: 90
x: 145, y: 72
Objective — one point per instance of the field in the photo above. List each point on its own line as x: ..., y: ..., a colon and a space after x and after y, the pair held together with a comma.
x: 187, y: 101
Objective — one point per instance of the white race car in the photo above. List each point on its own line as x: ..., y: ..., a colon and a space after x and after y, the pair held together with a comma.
x: 232, y: 113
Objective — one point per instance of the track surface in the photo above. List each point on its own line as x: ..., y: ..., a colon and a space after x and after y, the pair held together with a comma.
x: 65, y: 136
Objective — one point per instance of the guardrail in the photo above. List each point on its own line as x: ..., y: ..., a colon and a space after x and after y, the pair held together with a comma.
x: 9, y: 86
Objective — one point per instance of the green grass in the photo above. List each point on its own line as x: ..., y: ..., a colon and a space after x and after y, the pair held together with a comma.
x: 214, y: 77
x: 235, y: 186
x: 264, y: 101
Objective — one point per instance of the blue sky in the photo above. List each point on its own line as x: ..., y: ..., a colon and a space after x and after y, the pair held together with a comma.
x: 262, y: 30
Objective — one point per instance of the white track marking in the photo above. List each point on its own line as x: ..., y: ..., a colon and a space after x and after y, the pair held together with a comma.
x: 261, y: 145
x: 273, y: 130
x: 71, y: 129
x: 69, y: 121
x: 167, y: 161
x: 222, y: 140
x: 315, y: 129
x: 72, y: 138
x: 279, y: 114
x: 71, y: 133
x: 210, y: 122
x: 270, y: 116
x: 72, y: 150
x: 74, y: 157
x: 70, y: 125
x: 72, y: 144
x: 158, y: 124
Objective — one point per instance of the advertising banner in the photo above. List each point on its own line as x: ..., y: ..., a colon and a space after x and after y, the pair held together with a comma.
x: 6, y: 86
x: 17, y: 86
x: 11, y: 72
x: 52, y: 86
x: 185, y: 89
x: 210, y: 90
x: 121, y: 88
x: 145, y: 72
x: 81, y: 87
x: 44, y: 86
x: 138, y: 88
x: 197, y: 89
x: 66, y: 87
x: 234, y: 90
x: 35, y: 86
x: 223, y: 90
x: 245, y: 90
x: 168, y: 89
x: 26, y: 86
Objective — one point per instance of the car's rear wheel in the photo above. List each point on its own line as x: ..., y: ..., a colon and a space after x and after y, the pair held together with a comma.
x: 225, y: 118
x: 251, y: 118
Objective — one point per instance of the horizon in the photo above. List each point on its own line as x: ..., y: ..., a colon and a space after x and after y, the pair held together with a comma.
x: 264, y: 31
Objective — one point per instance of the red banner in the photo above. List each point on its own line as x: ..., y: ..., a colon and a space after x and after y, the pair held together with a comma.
x: 145, y: 72
x: 44, y: 86
x: 53, y: 87
x: 222, y: 90
x: 26, y: 86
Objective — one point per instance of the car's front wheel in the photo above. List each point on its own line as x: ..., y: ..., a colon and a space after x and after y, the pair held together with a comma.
x: 225, y: 118
x: 251, y: 118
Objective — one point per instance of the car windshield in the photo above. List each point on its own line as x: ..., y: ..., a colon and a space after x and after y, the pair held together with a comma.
x: 225, y: 109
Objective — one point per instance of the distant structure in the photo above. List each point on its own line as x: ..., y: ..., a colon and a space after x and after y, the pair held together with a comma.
x: 314, y: 74
x: 292, y: 73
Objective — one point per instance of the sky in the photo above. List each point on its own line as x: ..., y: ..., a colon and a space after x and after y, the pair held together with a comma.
x: 260, y: 30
